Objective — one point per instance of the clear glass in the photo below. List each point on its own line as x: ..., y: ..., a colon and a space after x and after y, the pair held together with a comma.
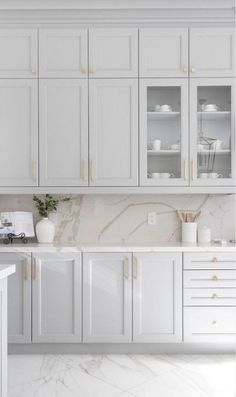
x: 163, y: 133
x: 214, y: 132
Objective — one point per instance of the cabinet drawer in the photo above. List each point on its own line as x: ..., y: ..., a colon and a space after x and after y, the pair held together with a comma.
x: 210, y: 260
x: 210, y: 279
x: 209, y: 324
x: 210, y: 297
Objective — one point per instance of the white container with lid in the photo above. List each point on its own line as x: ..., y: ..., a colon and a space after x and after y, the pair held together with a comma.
x: 204, y: 235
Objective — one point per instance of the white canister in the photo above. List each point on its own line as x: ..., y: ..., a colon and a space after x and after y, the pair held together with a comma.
x: 204, y: 235
x: 45, y: 231
x: 189, y: 232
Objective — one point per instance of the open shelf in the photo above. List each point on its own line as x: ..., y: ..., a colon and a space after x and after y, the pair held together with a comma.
x: 162, y: 115
x: 214, y: 115
x: 206, y: 152
x: 162, y: 152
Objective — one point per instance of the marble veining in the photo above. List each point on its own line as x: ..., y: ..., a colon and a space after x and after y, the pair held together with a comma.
x: 122, y: 375
x: 122, y: 219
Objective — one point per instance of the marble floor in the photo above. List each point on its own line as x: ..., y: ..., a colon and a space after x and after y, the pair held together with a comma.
x: 122, y: 376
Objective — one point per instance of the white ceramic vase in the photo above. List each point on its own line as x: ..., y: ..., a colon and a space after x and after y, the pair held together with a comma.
x: 45, y: 231
x: 189, y: 232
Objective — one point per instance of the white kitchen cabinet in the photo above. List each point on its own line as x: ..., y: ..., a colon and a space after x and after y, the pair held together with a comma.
x: 107, y: 297
x: 157, y: 297
x: 212, y: 52
x: 19, y: 297
x: 19, y: 53
x: 166, y: 164
x: 18, y: 132
x: 56, y: 297
x: 212, y: 137
x: 113, y: 132
x: 163, y: 52
x: 113, y: 52
x: 63, y: 130
x: 63, y: 52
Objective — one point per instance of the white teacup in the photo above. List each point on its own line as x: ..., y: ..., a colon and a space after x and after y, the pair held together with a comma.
x: 165, y: 108
x: 156, y: 144
x: 175, y: 146
x: 211, y: 107
x: 166, y: 175
x: 154, y: 175
x: 204, y: 175
x: 215, y: 175
x: 157, y: 108
x: 217, y: 144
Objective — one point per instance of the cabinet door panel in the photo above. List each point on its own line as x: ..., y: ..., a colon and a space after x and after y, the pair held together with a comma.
x: 107, y: 299
x: 18, y: 132
x: 63, y: 132
x: 18, y: 49
x: 63, y: 53
x: 212, y: 52
x: 113, y: 138
x: 56, y: 298
x: 113, y: 52
x: 163, y: 52
x: 19, y: 297
x: 157, y: 299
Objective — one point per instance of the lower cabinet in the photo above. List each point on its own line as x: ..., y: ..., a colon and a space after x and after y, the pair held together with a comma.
x: 19, y: 297
x: 107, y: 297
x: 157, y: 297
x: 56, y: 283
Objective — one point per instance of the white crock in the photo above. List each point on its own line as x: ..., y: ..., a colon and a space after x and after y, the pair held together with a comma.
x: 45, y: 231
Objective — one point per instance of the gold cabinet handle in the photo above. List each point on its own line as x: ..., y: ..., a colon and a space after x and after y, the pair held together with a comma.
x: 92, y: 70
x: 214, y: 259
x: 34, y: 71
x: 91, y: 170
x: 215, y: 278
x: 84, y: 173
x: 214, y: 296
x: 83, y: 70
x: 136, y: 270
x: 34, y: 269
x: 186, y: 169
x: 126, y: 264
x: 185, y: 70
x: 193, y: 170
x: 25, y: 269
x: 33, y: 170
x: 193, y: 70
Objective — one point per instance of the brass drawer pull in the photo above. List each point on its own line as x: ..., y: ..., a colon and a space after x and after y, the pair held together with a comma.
x: 214, y: 296
x: 214, y: 322
x: 215, y: 278
x: 214, y: 259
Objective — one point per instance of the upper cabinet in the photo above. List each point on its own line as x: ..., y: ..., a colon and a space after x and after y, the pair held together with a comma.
x: 19, y: 53
x: 63, y: 52
x: 212, y: 52
x: 163, y: 52
x: 113, y: 52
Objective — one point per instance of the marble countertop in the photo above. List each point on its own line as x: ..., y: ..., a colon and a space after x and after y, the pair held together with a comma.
x: 6, y: 270
x: 170, y: 247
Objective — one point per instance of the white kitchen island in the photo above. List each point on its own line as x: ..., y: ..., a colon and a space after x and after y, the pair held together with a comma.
x: 5, y: 271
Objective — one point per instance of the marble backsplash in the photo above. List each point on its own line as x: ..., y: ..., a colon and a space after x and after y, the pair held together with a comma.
x: 123, y: 218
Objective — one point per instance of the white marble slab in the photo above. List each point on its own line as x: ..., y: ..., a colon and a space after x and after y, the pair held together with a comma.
x: 6, y: 270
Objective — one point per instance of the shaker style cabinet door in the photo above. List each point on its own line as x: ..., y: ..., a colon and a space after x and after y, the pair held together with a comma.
x: 19, y: 297
x: 212, y: 52
x: 113, y: 52
x: 18, y: 53
x: 63, y: 53
x: 56, y: 283
x: 19, y: 132
x: 107, y: 297
x: 63, y: 130
x: 157, y: 297
x: 113, y: 132
x: 163, y: 52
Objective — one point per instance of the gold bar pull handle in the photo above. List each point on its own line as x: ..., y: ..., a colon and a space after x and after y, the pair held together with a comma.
x: 33, y: 170
x: 193, y: 170
x: 127, y: 268
x: 137, y: 265
x: 186, y: 169
x: 34, y: 269
x: 25, y: 269
x: 91, y: 170
x: 84, y: 173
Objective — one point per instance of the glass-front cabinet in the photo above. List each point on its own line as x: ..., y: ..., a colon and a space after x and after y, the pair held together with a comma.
x: 164, y: 132
x: 212, y: 132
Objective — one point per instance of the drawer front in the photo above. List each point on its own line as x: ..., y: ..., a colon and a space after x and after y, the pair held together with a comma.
x: 210, y: 279
x: 210, y: 297
x: 210, y: 260
x: 210, y: 324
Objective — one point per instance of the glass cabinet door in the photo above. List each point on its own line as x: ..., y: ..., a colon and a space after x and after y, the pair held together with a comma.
x: 212, y: 132
x: 164, y: 132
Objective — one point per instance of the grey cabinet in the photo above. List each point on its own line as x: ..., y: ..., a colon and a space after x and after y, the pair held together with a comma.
x: 19, y: 297
x: 56, y: 284
x: 157, y: 297
x: 107, y: 297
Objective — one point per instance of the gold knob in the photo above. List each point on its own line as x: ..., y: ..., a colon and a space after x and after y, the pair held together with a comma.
x: 214, y: 259
x: 83, y: 71
x: 193, y: 70
x: 215, y: 278
x: 91, y: 71
x: 185, y: 70
x: 214, y: 322
x: 214, y: 296
x: 34, y: 71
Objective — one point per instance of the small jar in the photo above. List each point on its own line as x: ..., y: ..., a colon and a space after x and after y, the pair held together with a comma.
x: 204, y: 235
